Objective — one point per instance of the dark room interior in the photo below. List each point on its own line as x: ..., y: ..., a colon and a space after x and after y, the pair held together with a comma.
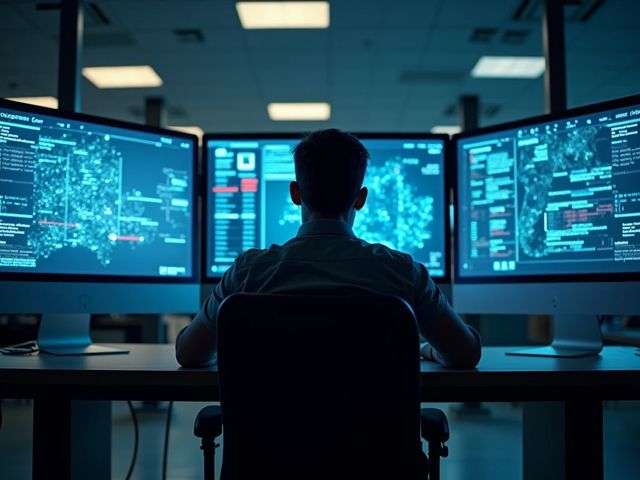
x: 315, y: 240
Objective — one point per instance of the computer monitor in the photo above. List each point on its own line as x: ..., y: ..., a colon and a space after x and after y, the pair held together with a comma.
x: 548, y: 214
x: 96, y: 215
x: 248, y: 204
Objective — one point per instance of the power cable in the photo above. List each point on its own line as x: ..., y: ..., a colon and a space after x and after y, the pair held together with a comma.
x: 136, y: 438
x: 167, y: 429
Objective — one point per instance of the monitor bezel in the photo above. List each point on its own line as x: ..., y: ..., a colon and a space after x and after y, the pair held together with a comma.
x: 448, y: 179
x: 529, y: 278
x: 109, y: 278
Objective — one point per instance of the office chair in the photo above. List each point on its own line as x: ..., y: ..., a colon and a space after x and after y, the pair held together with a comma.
x: 316, y: 387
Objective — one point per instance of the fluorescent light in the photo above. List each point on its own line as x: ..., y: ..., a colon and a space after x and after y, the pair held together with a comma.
x: 260, y: 15
x: 193, y: 130
x: 134, y: 76
x: 448, y: 129
x: 508, y: 67
x: 49, y: 102
x: 299, y: 111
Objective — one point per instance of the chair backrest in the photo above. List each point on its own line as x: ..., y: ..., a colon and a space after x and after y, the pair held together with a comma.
x: 319, y: 387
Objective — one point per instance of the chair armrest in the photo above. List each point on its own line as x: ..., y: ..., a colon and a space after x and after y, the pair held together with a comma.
x: 208, y: 423
x: 434, y: 426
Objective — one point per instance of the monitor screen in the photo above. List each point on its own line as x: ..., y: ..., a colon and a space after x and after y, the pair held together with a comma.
x: 85, y: 198
x: 249, y: 206
x: 551, y: 197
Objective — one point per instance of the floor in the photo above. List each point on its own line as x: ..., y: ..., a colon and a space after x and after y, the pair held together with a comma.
x: 481, y: 446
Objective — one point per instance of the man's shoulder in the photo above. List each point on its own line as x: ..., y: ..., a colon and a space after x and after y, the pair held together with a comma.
x: 258, y: 255
x: 351, y: 249
x: 386, y: 253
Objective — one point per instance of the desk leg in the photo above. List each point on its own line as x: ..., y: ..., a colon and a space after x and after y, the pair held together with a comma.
x: 71, y: 439
x: 563, y: 440
x: 584, y: 446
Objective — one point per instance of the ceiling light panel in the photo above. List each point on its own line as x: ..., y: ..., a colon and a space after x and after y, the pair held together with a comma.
x: 299, y: 111
x: 263, y: 15
x: 134, y: 76
x: 508, y: 67
x: 448, y: 129
x: 49, y: 102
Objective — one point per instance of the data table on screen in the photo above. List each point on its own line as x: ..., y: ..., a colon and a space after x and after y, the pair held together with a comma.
x: 554, y: 197
x: 248, y: 202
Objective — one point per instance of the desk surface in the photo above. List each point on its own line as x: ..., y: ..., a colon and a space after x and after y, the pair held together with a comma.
x: 151, y: 372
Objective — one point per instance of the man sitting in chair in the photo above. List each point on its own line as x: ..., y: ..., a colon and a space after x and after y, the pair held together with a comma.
x: 325, y: 255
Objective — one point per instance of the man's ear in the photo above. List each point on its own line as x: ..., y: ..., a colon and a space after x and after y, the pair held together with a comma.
x: 361, y: 198
x: 294, y: 191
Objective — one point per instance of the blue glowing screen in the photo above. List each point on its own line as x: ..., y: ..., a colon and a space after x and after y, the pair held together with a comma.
x: 559, y: 197
x: 85, y: 198
x: 249, y: 204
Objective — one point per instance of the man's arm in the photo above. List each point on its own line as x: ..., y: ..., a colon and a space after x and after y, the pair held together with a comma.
x: 453, y: 343
x: 196, y: 343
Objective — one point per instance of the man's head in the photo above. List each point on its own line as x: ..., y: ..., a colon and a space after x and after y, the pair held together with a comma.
x: 330, y: 167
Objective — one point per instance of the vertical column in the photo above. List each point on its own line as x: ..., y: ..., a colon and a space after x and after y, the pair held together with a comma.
x: 155, y: 112
x: 70, y: 55
x: 555, y: 73
x: 469, y: 111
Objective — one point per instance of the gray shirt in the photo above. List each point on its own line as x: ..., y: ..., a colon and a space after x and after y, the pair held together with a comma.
x: 325, y: 254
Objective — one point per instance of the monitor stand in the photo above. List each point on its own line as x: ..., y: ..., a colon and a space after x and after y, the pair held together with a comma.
x: 573, y: 336
x: 68, y: 334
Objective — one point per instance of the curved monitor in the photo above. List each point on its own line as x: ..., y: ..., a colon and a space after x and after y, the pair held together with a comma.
x: 552, y: 200
x: 248, y: 204
x: 85, y: 199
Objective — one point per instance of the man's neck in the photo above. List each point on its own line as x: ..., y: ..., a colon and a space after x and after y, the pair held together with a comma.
x: 308, y: 216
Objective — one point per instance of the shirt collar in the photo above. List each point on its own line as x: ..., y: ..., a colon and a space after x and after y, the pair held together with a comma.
x: 325, y: 227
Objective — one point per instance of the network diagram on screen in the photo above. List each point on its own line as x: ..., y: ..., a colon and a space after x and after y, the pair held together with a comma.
x: 84, y: 198
x: 552, y: 198
x: 249, y: 204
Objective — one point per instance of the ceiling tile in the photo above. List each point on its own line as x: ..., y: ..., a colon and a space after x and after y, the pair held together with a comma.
x: 307, y: 40
x: 410, y: 14
x: 11, y: 19
x: 166, y: 14
x: 474, y: 13
x: 357, y: 13
x: 40, y: 21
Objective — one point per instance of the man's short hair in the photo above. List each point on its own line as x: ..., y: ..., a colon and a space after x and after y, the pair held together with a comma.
x: 330, y: 167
